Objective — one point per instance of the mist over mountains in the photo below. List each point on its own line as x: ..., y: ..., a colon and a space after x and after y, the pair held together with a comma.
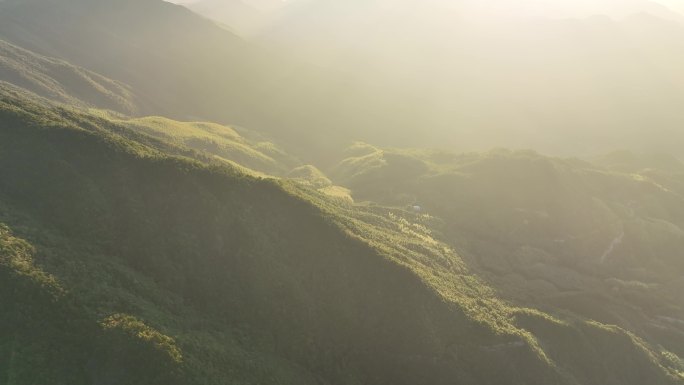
x: 447, y: 67
x: 353, y: 71
x: 341, y: 193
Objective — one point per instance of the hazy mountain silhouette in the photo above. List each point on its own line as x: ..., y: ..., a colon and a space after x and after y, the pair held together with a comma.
x: 145, y: 241
x: 453, y: 72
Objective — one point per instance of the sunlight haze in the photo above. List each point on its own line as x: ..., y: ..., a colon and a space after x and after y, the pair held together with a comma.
x: 341, y: 192
x: 553, y: 8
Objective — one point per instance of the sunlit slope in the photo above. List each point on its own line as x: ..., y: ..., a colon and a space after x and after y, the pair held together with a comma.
x: 61, y: 81
x: 127, y: 230
x: 179, y: 64
x: 393, y: 73
x: 212, y: 276
x: 561, y: 234
x: 223, y: 142
x: 209, y: 142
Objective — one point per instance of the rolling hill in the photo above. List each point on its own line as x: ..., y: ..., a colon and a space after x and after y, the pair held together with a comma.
x: 161, y: 50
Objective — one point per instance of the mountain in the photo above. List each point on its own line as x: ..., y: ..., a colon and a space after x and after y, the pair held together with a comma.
x: 472, y: 75
x: 562, y: 235
x: 156, y: 267
x: 60, y: 81
x: 253, y: 18
x: 177, y: 63
x: 329, y: 73
x: 169, y: 215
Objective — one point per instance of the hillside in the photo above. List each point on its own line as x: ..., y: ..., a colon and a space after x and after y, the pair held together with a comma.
x: 328, y: 73
x: 242, y: 148
x: 177, y: 206
x: 177, y: 63
x: 560, y: 234
x: 155, y: 268
x: 60, y: 81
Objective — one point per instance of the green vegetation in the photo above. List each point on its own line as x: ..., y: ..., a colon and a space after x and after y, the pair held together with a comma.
x: 221, y: 141
x: 151, y: 253
x: 60, y: 81
x: 559, y: 234
x: 164, y: 249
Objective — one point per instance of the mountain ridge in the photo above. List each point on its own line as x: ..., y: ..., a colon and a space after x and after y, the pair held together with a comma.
x: 162, y: 245
x: 111, y: 195
x: 60, y: 81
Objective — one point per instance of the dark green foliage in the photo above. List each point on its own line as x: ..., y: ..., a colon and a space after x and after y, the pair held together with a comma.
x: 209, y: 276
x: 564, y: 235
x: 147, y: 251
x: 221, y: 247
x: 46, y: 338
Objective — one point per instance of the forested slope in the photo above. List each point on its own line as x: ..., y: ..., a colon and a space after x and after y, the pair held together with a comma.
x: 599, y: 240
x: 114, y: 250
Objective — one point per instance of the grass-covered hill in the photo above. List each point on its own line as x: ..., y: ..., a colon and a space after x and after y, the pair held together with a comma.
x: 240, y: 147
x: 127, y: 259
x: 603, y: 242
x: 60, y: 81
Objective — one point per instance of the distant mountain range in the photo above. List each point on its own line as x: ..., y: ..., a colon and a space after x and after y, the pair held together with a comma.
x: 344, y: 71
x: 61, y: 81
x: 253, y: 17
x: 443, y: 66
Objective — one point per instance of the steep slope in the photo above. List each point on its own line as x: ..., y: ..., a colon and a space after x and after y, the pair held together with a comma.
x: 175, y: 61
x: 159, y: 269
x: 558, y: 234
x: 208, y: 241
x: 58, y: 80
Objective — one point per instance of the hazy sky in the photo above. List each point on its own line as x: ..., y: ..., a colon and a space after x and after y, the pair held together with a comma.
x: 676, y: 5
